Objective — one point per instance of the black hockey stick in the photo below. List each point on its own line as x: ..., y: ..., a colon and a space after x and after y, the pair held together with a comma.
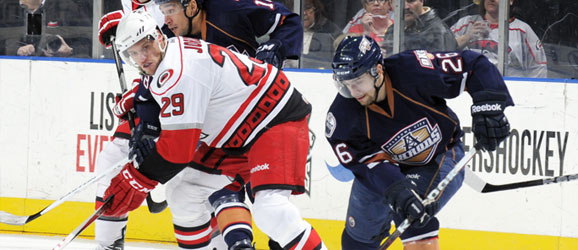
x: 154, y: 207
x: 19, y: 220
x: 431, y: 197
x: 475, y: 182
x: 84, y: 224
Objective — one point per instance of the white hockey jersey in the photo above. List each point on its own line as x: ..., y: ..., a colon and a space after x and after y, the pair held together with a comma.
x: 526, y: 56
x: 225, y: 98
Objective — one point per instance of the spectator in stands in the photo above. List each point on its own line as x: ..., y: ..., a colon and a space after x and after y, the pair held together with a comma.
x: 44, y: 34
x: 423, y: 29
x: 525, y: 55
x: 318, y: 36
x: 374, y: 22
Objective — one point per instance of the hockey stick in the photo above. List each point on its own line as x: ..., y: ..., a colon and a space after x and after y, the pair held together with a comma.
x: 431, y: 197
x: 153, y: 206
x: 84, y: 225
x: 479, y: 185
x: 18, y: 220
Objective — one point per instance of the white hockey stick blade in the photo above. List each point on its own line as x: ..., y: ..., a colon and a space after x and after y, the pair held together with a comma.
x: 474, y: 181
x: 83, y: 225
x: 431, y: 197
x: 19, y: 220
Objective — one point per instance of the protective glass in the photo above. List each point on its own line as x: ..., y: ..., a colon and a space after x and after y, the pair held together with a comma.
x: 375, y: 1
x: 361, y: 84
x: 138, y: 50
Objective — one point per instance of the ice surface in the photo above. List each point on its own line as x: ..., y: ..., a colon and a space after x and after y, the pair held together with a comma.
x: 34, y: 242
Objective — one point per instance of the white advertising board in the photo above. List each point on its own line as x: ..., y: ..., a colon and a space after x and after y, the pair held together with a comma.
x: 56, y: 116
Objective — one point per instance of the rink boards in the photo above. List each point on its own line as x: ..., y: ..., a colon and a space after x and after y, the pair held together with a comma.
x: 56, y: 118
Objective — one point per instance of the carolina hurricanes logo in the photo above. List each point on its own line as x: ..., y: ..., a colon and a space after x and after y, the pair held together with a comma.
x: 164, y: 77
x: 488, y: 45
x: 414, y: 144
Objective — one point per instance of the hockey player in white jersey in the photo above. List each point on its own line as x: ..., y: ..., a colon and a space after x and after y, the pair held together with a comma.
x: 195, y: 228
x: 227, y: 101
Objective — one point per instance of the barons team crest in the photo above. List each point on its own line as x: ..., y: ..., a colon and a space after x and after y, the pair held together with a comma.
x: 414, y: 144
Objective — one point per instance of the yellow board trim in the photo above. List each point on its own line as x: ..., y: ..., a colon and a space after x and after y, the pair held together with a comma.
x: 143, y: 226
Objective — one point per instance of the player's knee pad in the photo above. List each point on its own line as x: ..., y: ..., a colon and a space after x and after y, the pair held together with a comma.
x: 349, y: 243
x: 276, y: 216
x: 233, y: 217
x: 368, y: 217
x: 188, y: 199
x: 430, y: 230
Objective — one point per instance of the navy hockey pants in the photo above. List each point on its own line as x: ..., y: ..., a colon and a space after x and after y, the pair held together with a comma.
x: 369, y: 219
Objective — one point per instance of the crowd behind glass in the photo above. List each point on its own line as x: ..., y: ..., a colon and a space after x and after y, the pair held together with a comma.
x: 542, y: 34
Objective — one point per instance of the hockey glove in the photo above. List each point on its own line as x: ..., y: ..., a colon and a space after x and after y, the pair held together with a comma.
x: 489, y: 124
x: 271, y: 52
x: 107, y: 27
x: 125, y: 102
x: 142, y: 143
x: 406, y: 203
x: 130, y: 188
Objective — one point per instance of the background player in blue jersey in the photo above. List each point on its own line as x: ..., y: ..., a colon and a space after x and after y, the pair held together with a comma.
x: 236, y: 25
x: 391, y: 126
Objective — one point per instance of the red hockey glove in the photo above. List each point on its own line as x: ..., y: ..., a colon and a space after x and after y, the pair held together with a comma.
x: 130, y: 188
x: 107, y: 27
x: 125, y: 102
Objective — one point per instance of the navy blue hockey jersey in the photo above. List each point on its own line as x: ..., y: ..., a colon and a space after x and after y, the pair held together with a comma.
x: 413, y: 124
x: 236, y: 24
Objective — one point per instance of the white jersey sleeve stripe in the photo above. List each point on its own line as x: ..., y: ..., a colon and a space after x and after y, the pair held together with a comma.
x: 182, y: 126
x: 274, y: 26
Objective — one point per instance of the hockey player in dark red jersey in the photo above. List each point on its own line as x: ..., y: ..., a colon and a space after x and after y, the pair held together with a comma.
x: 390, y: 125
x: 227, y: 101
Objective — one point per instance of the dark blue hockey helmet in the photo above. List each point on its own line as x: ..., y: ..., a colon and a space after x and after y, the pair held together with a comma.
x: 355, y: 56
x: 184, y: 3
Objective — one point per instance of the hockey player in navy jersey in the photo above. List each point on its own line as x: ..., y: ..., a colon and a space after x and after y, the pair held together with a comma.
x: 391, y: 126
x: 236, y: 25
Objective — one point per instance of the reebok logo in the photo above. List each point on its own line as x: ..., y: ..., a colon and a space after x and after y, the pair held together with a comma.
x: 413, y: 176
x: 260, y: 168
x: 486, y: 107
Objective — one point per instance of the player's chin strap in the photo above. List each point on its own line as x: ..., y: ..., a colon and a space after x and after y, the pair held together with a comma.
x: 191, y: 17
x: 377, y: 89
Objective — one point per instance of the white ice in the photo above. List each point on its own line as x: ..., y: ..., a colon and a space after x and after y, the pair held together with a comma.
x: 34, y: 242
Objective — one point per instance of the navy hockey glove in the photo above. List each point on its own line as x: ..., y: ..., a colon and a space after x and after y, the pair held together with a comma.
x: 272, y: 52
x: 407, y: 204
x: 142, y: 143
x: 489, y: 124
